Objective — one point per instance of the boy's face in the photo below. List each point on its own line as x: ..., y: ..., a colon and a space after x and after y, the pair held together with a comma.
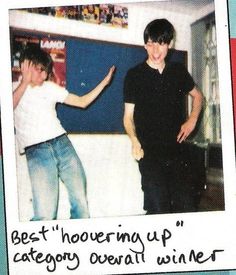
x: 156, y: 53
x: 38, y: 75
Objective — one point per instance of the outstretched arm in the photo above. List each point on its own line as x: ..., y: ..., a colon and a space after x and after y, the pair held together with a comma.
x: 26, y: 71
x: 129, y: 125
x: 189, y: 125
x: 85, y: 100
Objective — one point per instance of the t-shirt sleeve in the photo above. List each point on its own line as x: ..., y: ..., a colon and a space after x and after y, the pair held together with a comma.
x: 187, y: 80
x: 60, y: 93
x: 129, y: 88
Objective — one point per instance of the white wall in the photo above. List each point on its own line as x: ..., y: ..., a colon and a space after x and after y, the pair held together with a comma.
x: 112, y: 174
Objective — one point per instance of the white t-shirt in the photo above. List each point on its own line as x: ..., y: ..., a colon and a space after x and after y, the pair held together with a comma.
x: 35, y: 115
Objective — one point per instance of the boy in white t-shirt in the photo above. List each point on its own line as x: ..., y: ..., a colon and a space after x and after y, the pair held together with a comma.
x: 40, y: 135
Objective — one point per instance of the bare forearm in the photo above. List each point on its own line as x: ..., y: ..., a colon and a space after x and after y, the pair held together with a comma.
x: 187, y: 128
x: 137, y: 150
x: 88, y: 98
x: 196, y: 107
x: 27, y: 68
x: 18, y: 93
x: 85, y: 100
x: 130, y: 129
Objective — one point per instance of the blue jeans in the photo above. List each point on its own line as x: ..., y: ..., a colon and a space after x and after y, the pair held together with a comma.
x: 47, y: 162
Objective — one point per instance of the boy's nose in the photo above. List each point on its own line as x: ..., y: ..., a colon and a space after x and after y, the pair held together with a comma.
x: 156, y: 46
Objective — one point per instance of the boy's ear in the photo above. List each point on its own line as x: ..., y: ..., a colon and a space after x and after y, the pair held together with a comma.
x: 171, y: 44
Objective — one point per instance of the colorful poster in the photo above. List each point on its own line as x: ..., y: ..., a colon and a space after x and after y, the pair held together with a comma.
x: 106, y: 14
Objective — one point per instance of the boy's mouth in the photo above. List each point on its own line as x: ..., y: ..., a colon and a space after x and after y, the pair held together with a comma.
x: 157, y: 58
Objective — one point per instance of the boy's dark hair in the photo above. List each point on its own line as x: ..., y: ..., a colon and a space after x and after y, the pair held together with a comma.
x: 159, y: 30
x: 37, y: 56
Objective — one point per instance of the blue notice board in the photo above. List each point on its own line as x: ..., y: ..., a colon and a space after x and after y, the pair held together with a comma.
x: 87, y: 63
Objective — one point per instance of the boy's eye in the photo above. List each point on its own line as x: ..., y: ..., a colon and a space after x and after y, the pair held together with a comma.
x: 39, y: 68
x: 149, y: 43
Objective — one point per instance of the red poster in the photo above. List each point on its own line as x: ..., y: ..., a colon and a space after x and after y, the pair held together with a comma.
x: 55, y: 47
x: 57, y: 50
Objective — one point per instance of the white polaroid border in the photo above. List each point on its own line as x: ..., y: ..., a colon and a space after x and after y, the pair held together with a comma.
x: 205, y: 240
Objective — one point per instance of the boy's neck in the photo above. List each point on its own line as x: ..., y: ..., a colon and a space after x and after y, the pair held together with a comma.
x: 33, y: 85
x: 160, y: 67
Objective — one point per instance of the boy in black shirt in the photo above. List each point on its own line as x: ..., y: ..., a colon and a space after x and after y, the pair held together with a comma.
x: 154, y: 93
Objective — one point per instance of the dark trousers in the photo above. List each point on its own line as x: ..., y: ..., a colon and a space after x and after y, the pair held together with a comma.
x: 167, y: 182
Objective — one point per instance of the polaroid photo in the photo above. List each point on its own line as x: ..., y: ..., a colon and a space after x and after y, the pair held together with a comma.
x: 118, y: 137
